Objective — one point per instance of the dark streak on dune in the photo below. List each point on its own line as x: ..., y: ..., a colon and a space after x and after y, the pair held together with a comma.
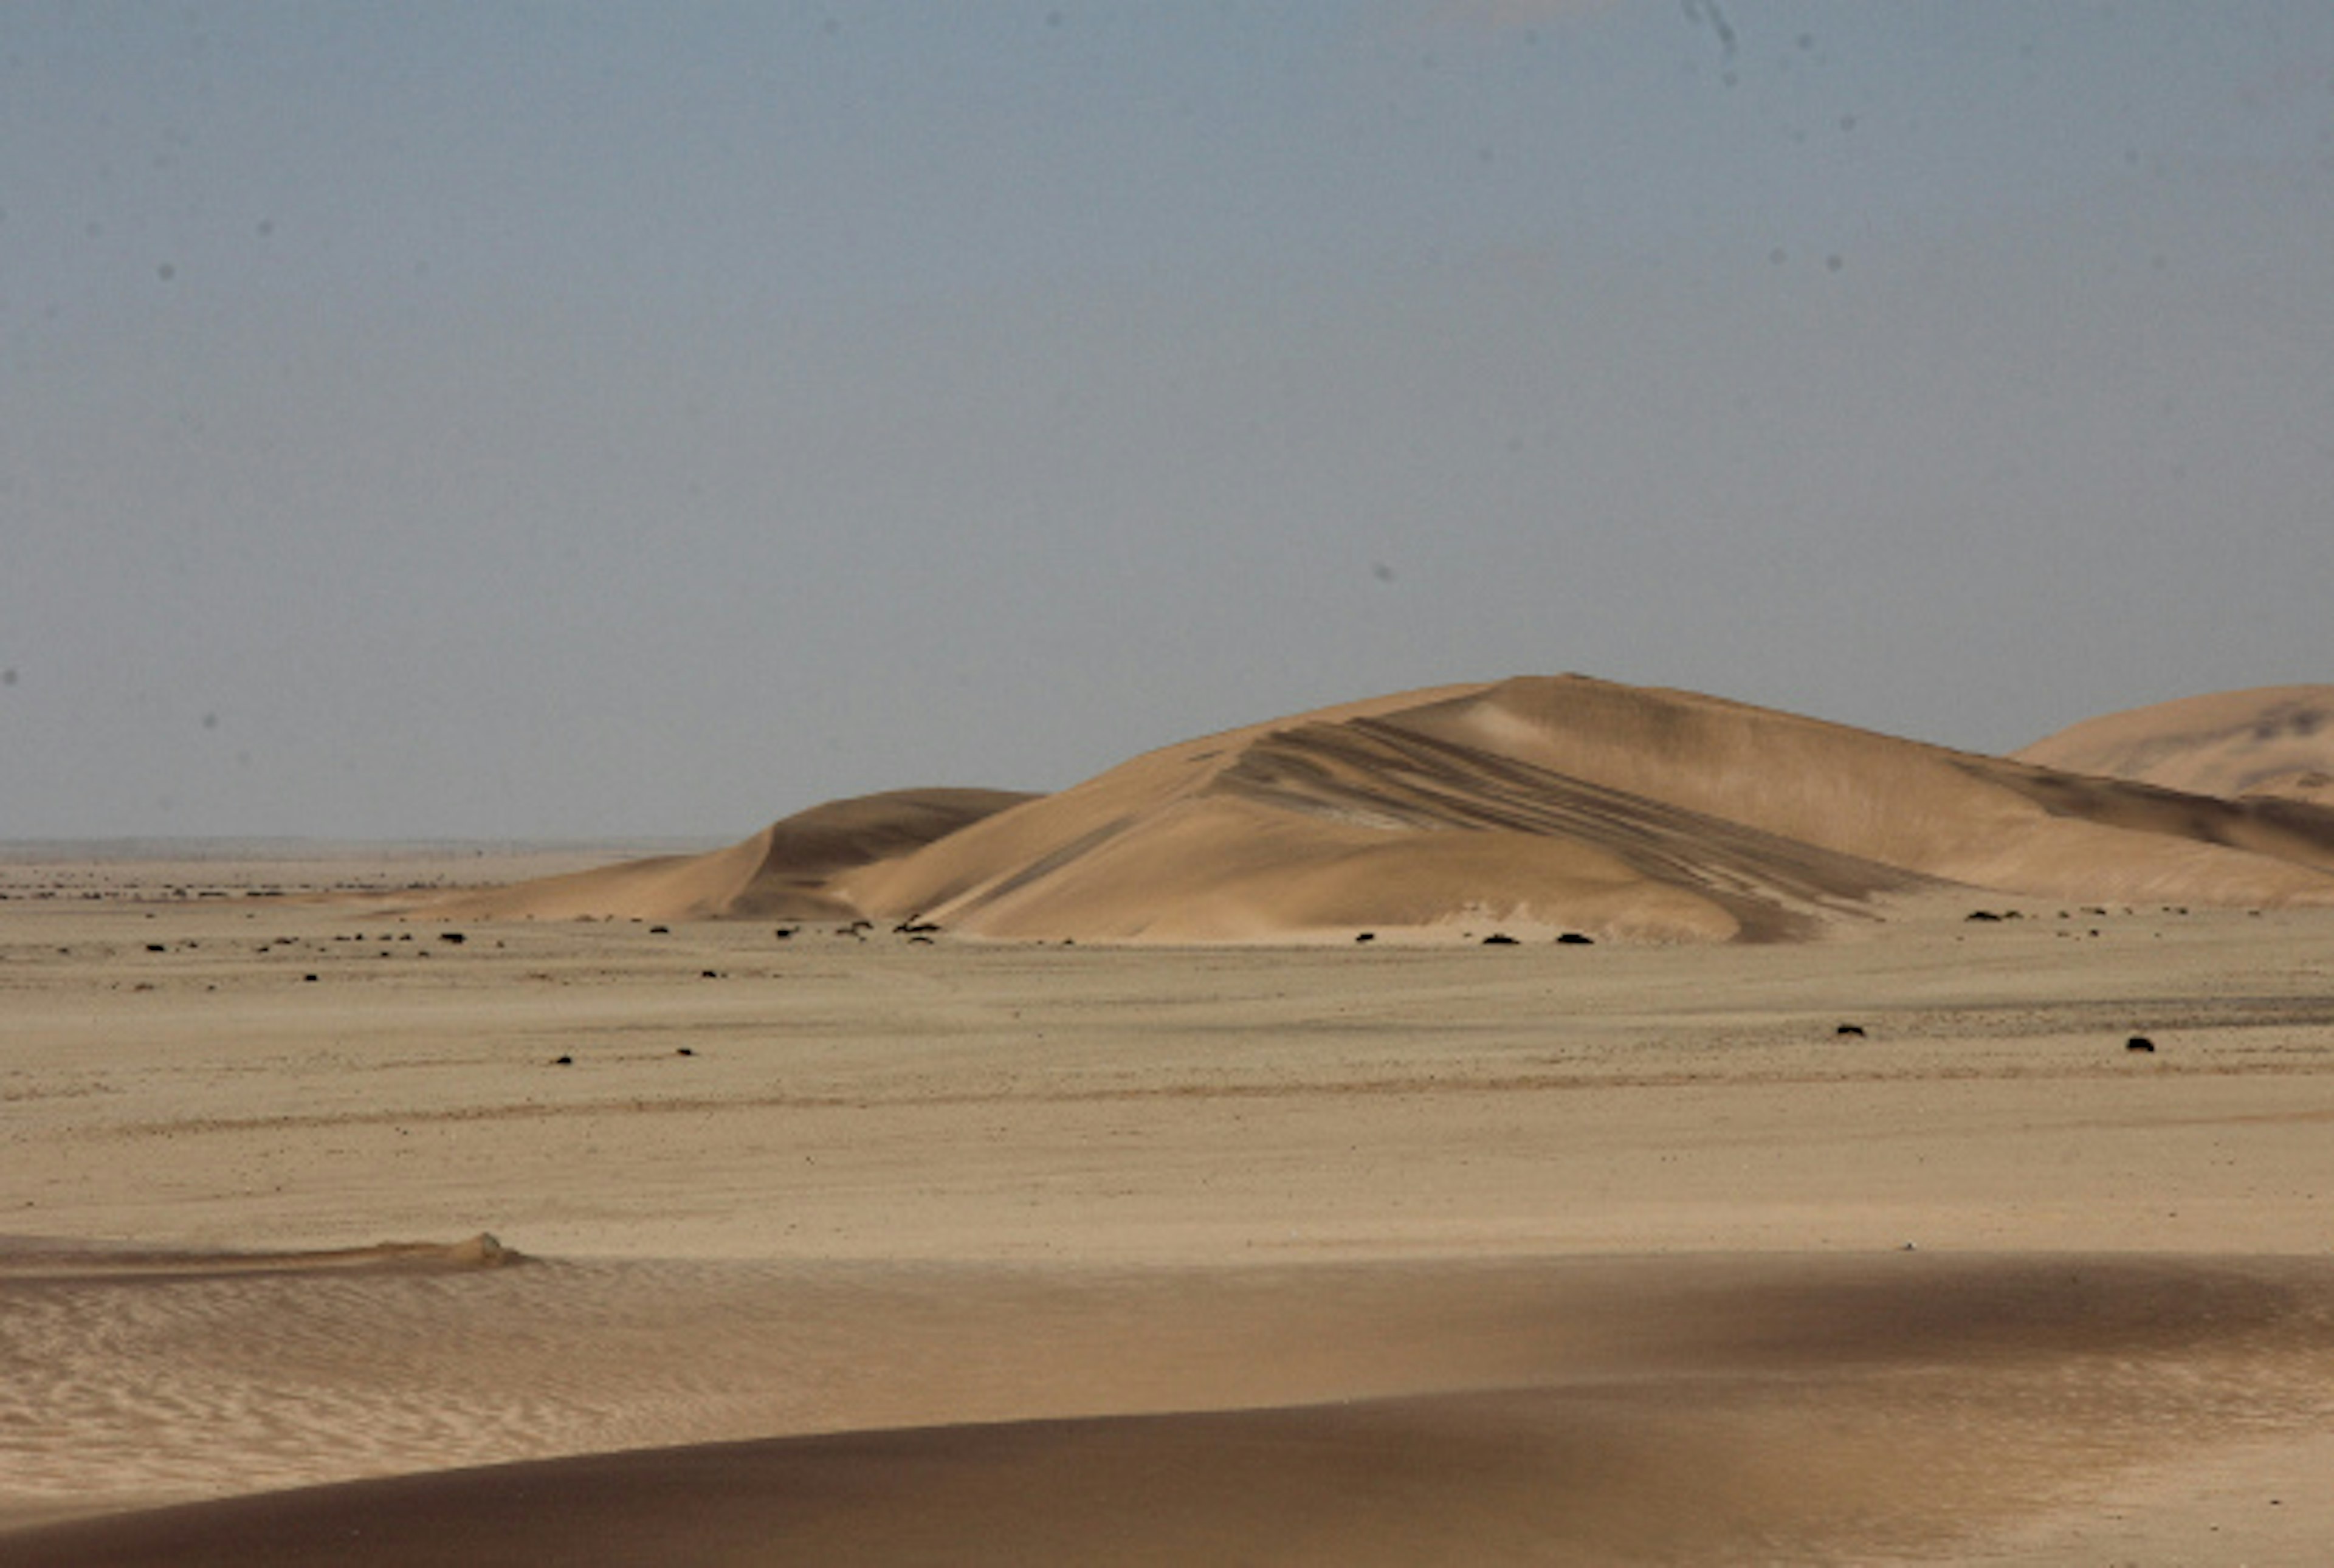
x: 1377, y: 769
x: 25, y: 1258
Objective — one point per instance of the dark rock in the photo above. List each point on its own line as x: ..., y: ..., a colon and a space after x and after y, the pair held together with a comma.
x: 1856, y: 1030
x: 1498, y: 940
x: 1576, y: 939
x: 2140, y: 1042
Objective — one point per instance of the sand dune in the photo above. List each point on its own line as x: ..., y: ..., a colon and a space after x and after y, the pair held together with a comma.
x: 780, y: 874
x: 2275, y: 741
x: 1538, y: 805
x: 1530, y: 807
x: 1644, y: 1410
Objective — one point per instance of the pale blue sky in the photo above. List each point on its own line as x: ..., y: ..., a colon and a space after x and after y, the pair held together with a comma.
x: 562, y: 419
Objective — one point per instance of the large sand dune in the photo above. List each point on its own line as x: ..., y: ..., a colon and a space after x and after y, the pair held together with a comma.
x: 1566, y: 802
x: 2274, y: 740
x: 1529, y: 807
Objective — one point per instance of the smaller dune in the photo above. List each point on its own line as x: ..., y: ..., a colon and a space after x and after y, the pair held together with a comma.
x: 2271, y: 741
x: 780, y: 874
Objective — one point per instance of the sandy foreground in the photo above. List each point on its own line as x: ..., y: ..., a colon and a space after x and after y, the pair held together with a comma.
x: 859, y: 1249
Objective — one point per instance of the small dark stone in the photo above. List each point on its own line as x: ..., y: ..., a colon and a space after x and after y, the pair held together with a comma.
x: 1854, y: 1029
x: 457, y: 938
x: 708, y: 974
x: 2140, y: 1042
x: 1498, y: 940
x: 785, y: 933
x: 659, y: 930
x: 684, y: 1050
x: 156, y: 947
x: 310, y: 979
x: 563, y: 1060
x: 1576, y: 939
x: 1365, y: 935
x: 1980, y: 915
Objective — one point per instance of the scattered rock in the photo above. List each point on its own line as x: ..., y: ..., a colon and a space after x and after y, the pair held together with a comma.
x: 1856, y: 1030
x: 1365, y: 935
x: 308, y: 979
x: 1576, y: 939
x: 2140, y: 1042
x: 1498, y: 940
x: 708, y: 974
x: 785, y: 933
x: 659, y: 930
x: 685, y: 1051
x: 563, y: 1060
x: 455, y: 937
x: 1980, y: 915
x: 914, y: 925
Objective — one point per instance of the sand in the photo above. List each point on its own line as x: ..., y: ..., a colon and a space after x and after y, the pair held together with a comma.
x: 1527, y: 807
x: 2271, y: 741
x: 848, y: 1247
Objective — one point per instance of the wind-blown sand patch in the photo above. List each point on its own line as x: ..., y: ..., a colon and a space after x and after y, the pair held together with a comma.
x: 1600, y: 1409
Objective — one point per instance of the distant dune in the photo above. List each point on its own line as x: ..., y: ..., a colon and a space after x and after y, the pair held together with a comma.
x: 2271, y: 741
x: 1528, y: 807
x: 781, y: 872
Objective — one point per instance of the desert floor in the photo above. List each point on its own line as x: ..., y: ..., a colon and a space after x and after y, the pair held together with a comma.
x: 850, y: 1248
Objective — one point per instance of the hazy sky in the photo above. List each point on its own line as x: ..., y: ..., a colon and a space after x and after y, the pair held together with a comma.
x: 568, y: 419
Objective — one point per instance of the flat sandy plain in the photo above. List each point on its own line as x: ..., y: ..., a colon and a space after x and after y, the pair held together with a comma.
x: 849, y: 1248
